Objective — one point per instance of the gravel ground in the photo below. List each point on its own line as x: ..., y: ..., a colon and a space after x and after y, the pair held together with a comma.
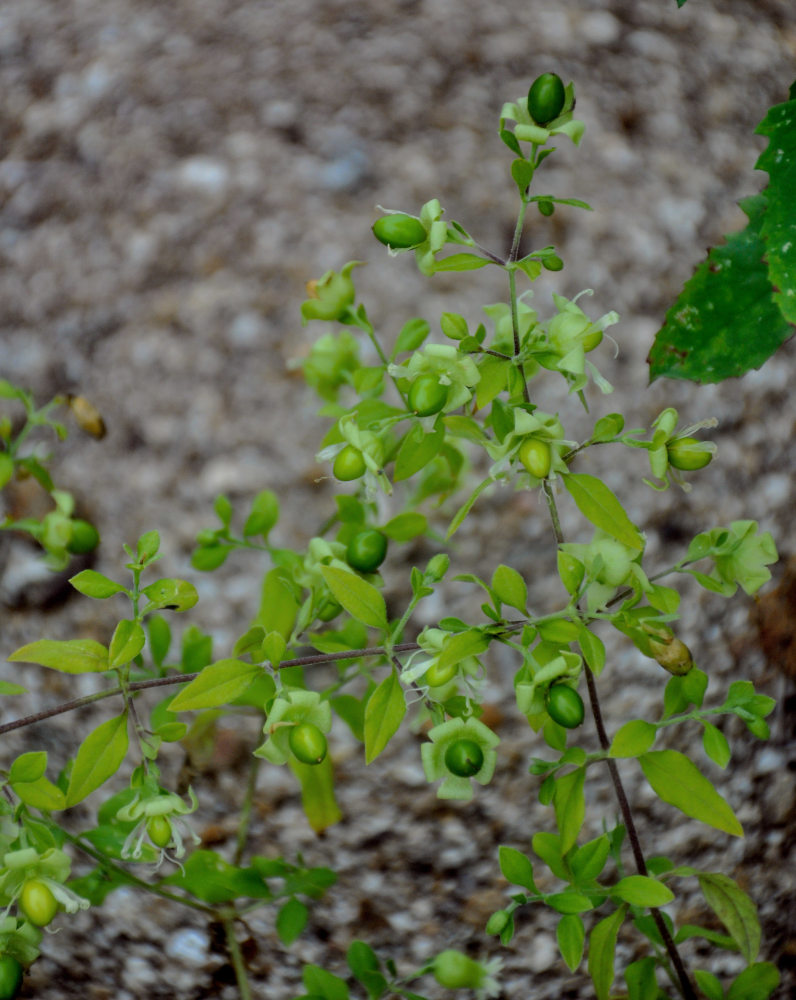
x: 170, y: 177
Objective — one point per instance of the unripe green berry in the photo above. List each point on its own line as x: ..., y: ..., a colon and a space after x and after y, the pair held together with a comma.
x: 308, y: 743
x: 349, y: 464
x: 399, y: 231
x: 536, y: 456
x: 546, y: 98
x: 688, y: 454
x: 464, y: 758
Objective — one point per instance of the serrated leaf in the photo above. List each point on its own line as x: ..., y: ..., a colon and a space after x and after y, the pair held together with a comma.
x: 641, y: 890
x: 725, y: 321
x: 70, y: 656
x: 218, y: 684
x: 599, y: 506
x: 734, y: 909
x: 359, y: 598
x: 779, y: 161
x: 384, y: 712
x: 676, y: 780
x: 100, y: 756
x: 93, y: 584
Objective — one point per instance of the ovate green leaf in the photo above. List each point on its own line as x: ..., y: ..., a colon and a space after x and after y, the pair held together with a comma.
x: 676, y: 780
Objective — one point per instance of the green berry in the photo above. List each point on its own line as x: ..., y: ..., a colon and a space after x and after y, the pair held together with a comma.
x: 565, y: 706
x: 159, y: 830
x: 427, y: 395
x: 349, y: 464
x: 10, y: 977
x: 38, y: 902
x: 399, y: 231
x: 536, y: 456
x: 308, y: 743
x: 688, y: 454
x: 367, y: 550
x: 85, y: 537
x: 464, y: 758
x: 546, y: 98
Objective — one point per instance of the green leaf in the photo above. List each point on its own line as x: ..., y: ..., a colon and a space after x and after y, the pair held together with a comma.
x: 412, y: 335
x: 494, y: 379
x: 359, y: 598
x: 291, y: 920
x: 734, y: 909
x: 633, y: 739
x: 127, y: 642
x: 99, y: 757
x: 70, y: 656
x: 599, y: 506
x: 548, y: 847
x: 725, y: 321
x: 366, y: 967
x: 516, y: 867
x: 93, y: 584
x: 174, y: 595
x: 602, y: 949
x: 641, y: 890
x: 417, y: 450
x: 640, y: 979
x: 458, y: 647
x: 709, y: 984
x: 522, y: 172
x: 593, y: 650
x: 159, y: 638
x: 218, y: 684
x: 779, y: 160
x: 278, y: 604
x: 509, y: 587
x: 571, y: 935
x: 589, y: 860
x: 317, y: 792
x: 460, y: 262
x: 715, y: 744
x: 28, y: 766
x: 40, y: 794
x: 570, y: 807
x: 676, y: 780
x: 322, y: 985
x: 384, y: 712
x: 464, y: 510
x: 7, y: 688
x: 405, y: 526
x: 207, y: 876
x: 263, y: 515
x: 569, y: 901
x: 757, y: 982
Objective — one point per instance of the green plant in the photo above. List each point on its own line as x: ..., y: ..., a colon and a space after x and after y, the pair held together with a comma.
x: 10, y: 977
x: 432, y: 423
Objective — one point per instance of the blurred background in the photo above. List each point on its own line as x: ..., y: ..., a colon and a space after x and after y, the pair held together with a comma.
x: 172, y: 174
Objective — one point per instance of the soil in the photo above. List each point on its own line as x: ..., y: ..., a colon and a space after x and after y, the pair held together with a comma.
x: 171, y: 175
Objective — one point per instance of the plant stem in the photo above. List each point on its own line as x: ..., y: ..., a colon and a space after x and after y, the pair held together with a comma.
x: 236, y: 956
x: 635, y: 844
x: 638, y: 856
x: 246, y: 809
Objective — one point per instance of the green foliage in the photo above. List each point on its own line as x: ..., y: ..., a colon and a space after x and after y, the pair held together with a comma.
x: 410, y: 425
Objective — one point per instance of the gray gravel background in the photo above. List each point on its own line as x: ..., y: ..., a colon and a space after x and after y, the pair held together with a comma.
x: 170, y: 177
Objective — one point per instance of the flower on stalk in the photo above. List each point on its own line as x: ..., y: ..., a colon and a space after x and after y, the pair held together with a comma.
x: 369, y: 445
x: 570, y: 336
x: 292, y: 707
x: 52, y: 868
x: 671, y: 450
x: 424, y: 666
x: 451, y: 368
x: 445, y: 736
x: 331, y: 296
x: 436, y: 235
x: 534, y: 682
x: 528, y: 423
x: 455, y: 970
x: 609, y: 564
x: 159, y: 821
